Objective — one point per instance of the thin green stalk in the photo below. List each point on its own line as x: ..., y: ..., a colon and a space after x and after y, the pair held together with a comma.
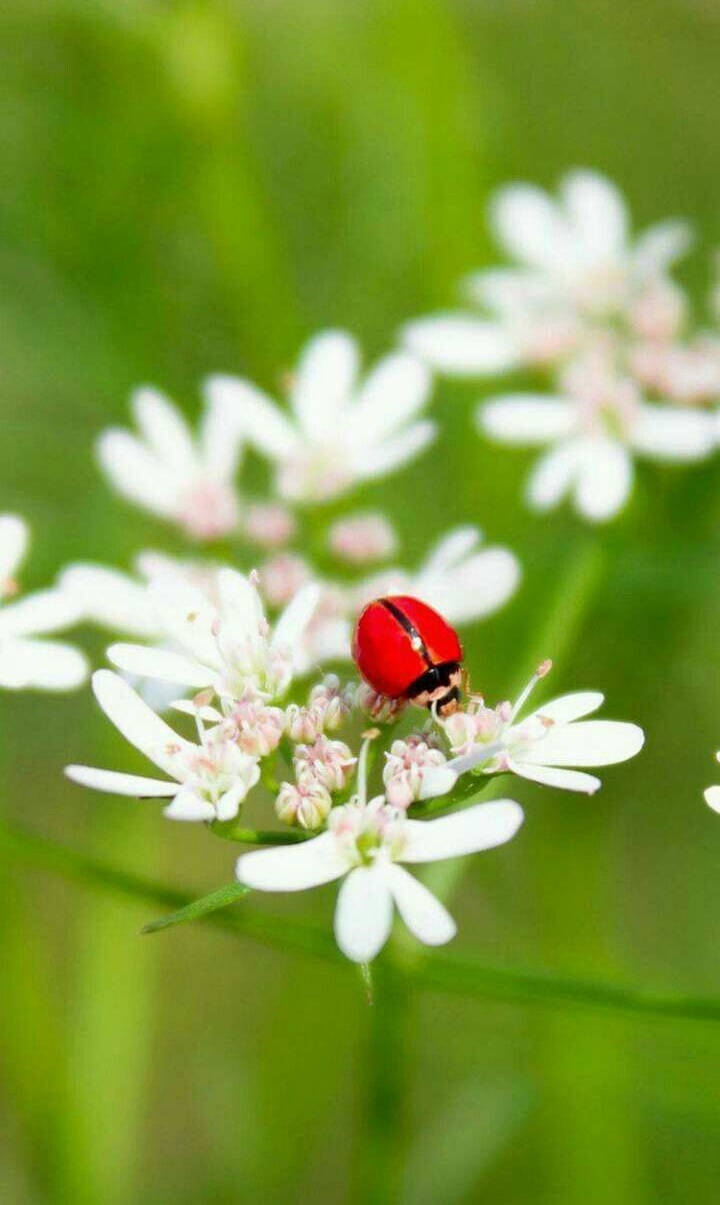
x: 228, y: 830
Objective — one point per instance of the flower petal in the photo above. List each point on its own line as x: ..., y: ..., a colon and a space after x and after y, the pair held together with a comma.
x: 451, y: 548
x: 110, y: 598
x: 392, y: 394
x: 604, y: 481
x: 527, y: 418
x: 137, y: 722
x: 423, y: 914
x: 480, y: 827
x: 164, y: 430
x: 375, y: 462
x: 147, y: 662
x: 553, y: 475
x: 673, y: 433
x: 363, y: 914
x: 461, y: 345
x: 529, y: 226
x: 569, y: 707
x: 188, y: 805
x: 187, y: 616
x: 291, y: 625
x: 661, y: 245
x: 220, y: 441
x: 137, y: 474
x: 40, y: 665
x: 240, y: 605
x: 586, y: 743
x: 473, y: 589
x: 258, y: 418
x: 44, y: 611
x: 712, y: 798
x: 292, y: 867
x: 323, y: 382
x: 553, y: 776
x: 114, y: 783
x: 14, y: 538
x: 597, y: 214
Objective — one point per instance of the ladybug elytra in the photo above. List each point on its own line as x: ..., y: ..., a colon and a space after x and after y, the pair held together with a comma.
x: 405, y: 650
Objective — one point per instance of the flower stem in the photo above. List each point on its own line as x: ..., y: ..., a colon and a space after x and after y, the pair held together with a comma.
x: 256, y: 836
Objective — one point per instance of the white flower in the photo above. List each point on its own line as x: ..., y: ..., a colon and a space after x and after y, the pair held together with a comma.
x: 169, y: 473
x: 211, y: 778
x: 306, y: 804
x: 364, y: 844
x: 229, y: 646
x: 339, y: 432
x: 688, y: 373
x: 25, y: 662
x: 405, y: 767
x: 594, y: 428
x: 577, y: 266
x: 541, y: 746
x: 282, y: 576
x: 362, y: 538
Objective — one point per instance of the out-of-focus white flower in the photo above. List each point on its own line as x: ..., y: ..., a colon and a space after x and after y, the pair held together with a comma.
x: 540, y: 747
x: 328, y: 707
x: 306, y: 803
x: 577, y: 266
x: 283, y: 576
x: 339, y: 432
x: 594, y: 427
x: 362, y: 538
x: 405, y: 767
x: 166, y: 471
x: 229, y: 647
x: 328, y: 762
x: 211, y: 779
x: 269, y: 524
x: 26, y: 662
x: 364, y: 844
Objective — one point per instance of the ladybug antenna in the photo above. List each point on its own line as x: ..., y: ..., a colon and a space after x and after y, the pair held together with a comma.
x: 542, y: 669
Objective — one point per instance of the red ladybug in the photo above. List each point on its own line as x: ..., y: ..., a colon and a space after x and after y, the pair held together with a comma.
x: 405, y: 650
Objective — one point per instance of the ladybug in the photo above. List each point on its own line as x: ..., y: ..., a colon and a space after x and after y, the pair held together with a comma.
x: 405, y: 650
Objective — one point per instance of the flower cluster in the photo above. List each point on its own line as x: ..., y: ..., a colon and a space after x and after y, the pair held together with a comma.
x: 597, y: 316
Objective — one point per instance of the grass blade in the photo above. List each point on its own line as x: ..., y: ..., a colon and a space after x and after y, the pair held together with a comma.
x: 199, y: 908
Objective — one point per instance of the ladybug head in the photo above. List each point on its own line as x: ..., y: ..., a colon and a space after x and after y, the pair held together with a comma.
x: 438, y: 688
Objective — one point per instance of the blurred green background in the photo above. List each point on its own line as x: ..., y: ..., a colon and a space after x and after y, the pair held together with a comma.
x: 196, y: 187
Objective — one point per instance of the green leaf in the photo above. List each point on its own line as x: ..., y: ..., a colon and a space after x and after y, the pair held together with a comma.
x: 207, y: 903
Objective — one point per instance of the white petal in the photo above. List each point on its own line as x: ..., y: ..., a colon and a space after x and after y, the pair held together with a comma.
x: 164, y: 430
x: 510, y: 291
x: 40, y: 665
x: 673, y: 433
x: 527, y: 418
x: 363, y: 914
x: 661, y: 245
x: 187, y: 805
x: 587, y: 743
x: 554, y: 474
x: 292, y: 867
x: 473, y: 589
x: 393, y: 393
x: 597, y: 214
x: 14, y: 538
x: 450, y: 549
x: 137, y: 722
x: 437, y: 780
x: 257, y: 417
x: 240, y: 604
x: 529, y: 226
x: 147, y: 662
x: 210, y: 715
x: 375, y: 462
x: 553, y: 776
x: 462, y: 346
x: 137, y: 474
x: 323, y: 382
x: 44, y: 611
x: 291, y: 625
x: 423, y: 914
x: 220, y: 441
x: 115, y: 783
x: 111, y: 598
x: 570, y: 707
x: 187, y: 616
x: 604, y: 481
x: 712, y: 798
x: 480, y: 827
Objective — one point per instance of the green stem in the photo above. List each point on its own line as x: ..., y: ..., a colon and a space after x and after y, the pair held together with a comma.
x: 257, y: 836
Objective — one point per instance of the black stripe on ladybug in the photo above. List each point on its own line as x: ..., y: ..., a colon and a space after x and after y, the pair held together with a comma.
x: 416, y: 639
